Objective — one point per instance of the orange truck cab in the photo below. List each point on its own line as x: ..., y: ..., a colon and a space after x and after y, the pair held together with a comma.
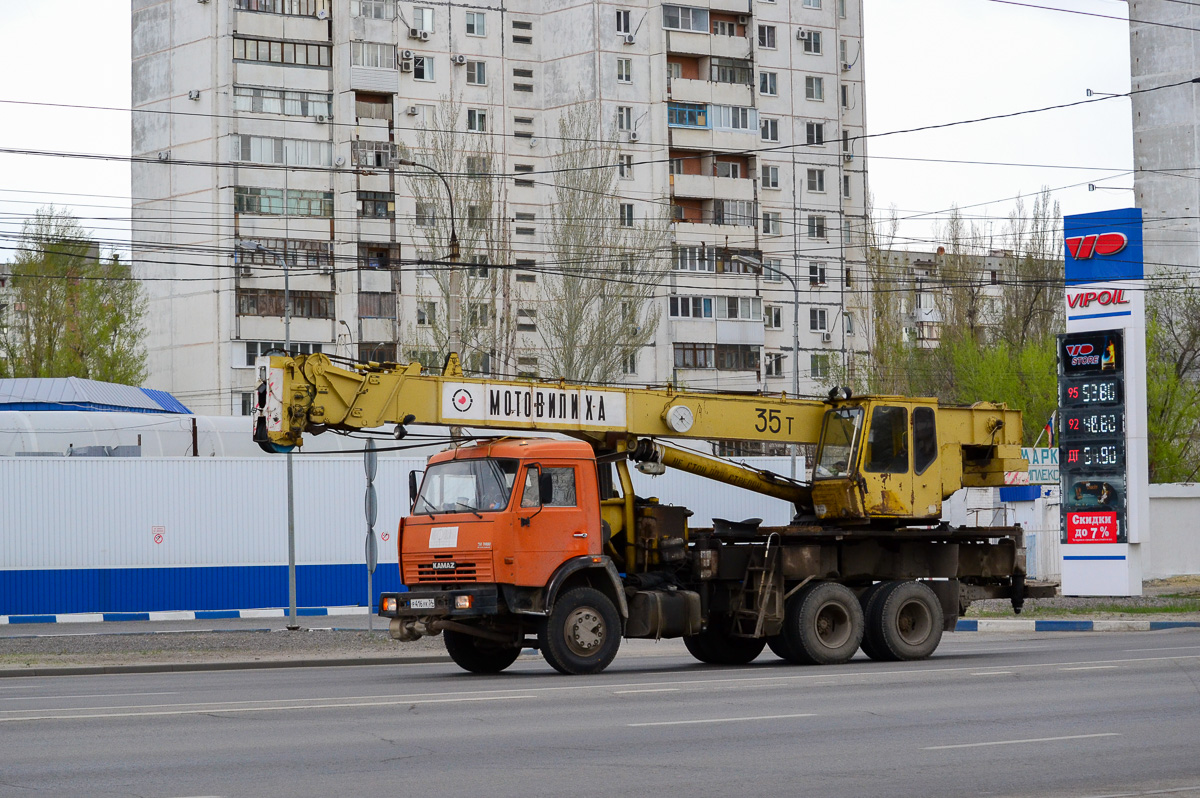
x: 499, y: 530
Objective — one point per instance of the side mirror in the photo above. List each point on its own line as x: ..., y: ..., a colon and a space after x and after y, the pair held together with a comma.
x: 412, y: 488
x: 545, y: 488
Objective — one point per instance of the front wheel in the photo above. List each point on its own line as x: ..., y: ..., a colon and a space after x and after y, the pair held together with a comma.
x: 582, y: 633
x: 477, y: 655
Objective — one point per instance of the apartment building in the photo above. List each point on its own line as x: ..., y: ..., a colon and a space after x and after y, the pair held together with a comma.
x: 269, y: 137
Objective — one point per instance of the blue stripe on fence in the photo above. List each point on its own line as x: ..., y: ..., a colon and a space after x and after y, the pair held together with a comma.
x: 114, y: 591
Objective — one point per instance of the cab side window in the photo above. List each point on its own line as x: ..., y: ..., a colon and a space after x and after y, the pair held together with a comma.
x: 925, y: 447
x: 887, y: 441
x: 563, y: 480
x: 529, y: 494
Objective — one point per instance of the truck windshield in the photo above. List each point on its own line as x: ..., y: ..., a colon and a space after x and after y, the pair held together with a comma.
x: 460, y: 486
x: 838, y: 440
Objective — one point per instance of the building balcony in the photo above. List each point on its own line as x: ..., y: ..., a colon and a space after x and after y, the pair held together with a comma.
x: 732, y: 6
x: 736, y: 188
x: 700, y: 186
x: 711, y: 92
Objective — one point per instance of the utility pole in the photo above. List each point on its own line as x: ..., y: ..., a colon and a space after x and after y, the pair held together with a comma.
x: 454, y: 312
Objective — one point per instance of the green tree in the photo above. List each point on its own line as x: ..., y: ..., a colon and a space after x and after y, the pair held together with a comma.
x: 1173, y: 379
x: 71, y: 313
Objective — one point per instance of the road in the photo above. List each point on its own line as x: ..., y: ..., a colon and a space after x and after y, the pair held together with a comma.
x: 1050, y: 715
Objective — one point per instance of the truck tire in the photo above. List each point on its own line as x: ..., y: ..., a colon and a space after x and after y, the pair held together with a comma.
x: 905, y: 622
x: 822, y: 625
x: 715, y: 645
x: 477, y: 655
x: 582, y: 633
x: 869, y: 601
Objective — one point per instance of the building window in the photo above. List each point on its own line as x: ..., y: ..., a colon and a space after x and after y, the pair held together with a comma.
x: 816, y: 273
x: 734, y: 117
x: 731, y: 169
x: 377, y: 256
x: 624, y: 118
x: 773, y: 365
x: 738, y: 357
x: 526, y: 320
x: 477, y: 120
x: 730, y: 70
x: 256, y: 348
x: 279, y: 101
x: 690, y: 307
x: 479, y: 268
x: 848, y: 323
x: 376, y: 205
x: 770, y: 176
x: 294, y: 8
x: 372, y: 154
x: 523, y: 168
x: 269, y: 302
x: 693, y: 259
x: 477, y: 314
x: 279, y: 152
x: 766, y: 36
x: 625, y: 167
x: 624, y: 70
x: 479, y: 165
x: 373, y: 54
x: 816, y: 180
x: 373, y: 9
x: 818, y: 365
x: 423, y: 19
x: 739, y: 212
x: 685, y: 18
x: 687, y: 115
x: 426, y: 314
x: 423, y: 67
x: 842, y: 8
x: 772, y: 223
x: 768, y: 84
x: 476, y: 73
x: 724, y: 27
x: 769, y: 130
x: 846, y: 186
x: 814, y: 88
x: 694, y: 356
x: 629, y: 363
x: 814, y: 133
x: 812, y: 41
x: 816, y: 226
x: 476, y: 23
x: 812, y: 3
x: 475, y: 217
x: 271, y: 202
x: 426, y: 215
x: 623, y: 22
x: 626, y: 214
x: 740, y: 308
x: 773, y: 270
x: 773, y: 317
x: 816, y: 319
x: 274, y: 51
x: 376, y: 305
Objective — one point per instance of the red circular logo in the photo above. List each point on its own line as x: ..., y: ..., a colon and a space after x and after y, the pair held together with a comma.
x: 461, y: 400
x: 158, y: 538
x: 386, y: 536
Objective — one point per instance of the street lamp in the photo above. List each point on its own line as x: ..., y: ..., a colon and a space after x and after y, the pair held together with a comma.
x: 454, y: 314
x: 795, y: 331
x: 254, y: 246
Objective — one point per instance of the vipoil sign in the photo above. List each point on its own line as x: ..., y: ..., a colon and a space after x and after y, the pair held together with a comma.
x: 1102, y: 405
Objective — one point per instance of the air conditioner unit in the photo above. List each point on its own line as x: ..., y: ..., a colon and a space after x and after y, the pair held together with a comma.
x: 847, y: 157
x: 165, y: 155
x: 246, y: 271
x: 458, y: 59
x: 633, y: 135
x: 194, y: 94
x: 424, y: 36
x: 630, y: 38
x: 406, y: 66
x: 322, y: 14
x: 412, y: 110
x: 800, y: 34
x: 406, y: 55
x: 744, y: 20
x: 323, y: 118
x: 826, y: 337
x: 414, y: 33
x: 845, y: 67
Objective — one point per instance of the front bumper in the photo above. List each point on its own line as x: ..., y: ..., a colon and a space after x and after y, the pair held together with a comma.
x: 441, y: 602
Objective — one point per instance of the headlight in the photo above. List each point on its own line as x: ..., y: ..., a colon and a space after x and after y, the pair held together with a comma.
x: 462, y: 602
x: 389, y: 604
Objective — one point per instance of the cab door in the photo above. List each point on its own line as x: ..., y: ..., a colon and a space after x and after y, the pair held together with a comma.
x: 551, y: 527
x: 927, y: 472
x: 887, y: 463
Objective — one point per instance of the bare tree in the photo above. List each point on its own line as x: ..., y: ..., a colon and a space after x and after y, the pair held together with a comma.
x: 474, y: 173
x: 884, y: 370
x: 597, y: 309
x: 1033, y: 294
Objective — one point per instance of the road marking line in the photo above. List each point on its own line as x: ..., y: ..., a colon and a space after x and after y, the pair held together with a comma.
x: 217, y: 710
x: 993, y: 673
x: 1165, y: 648
x: 652, y: 690
x: 1194, y: 787
x: 722, y: 720
x: 1016, y: 742
x: 1091, y: 668
x: 93, y: 695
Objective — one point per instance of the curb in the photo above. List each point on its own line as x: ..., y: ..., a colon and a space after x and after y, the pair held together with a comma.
x: 178, y: 615
x: 184, y: 667
x: 999, y: 625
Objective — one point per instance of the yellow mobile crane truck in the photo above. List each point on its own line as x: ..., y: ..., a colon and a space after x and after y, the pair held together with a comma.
x: 540, y: 542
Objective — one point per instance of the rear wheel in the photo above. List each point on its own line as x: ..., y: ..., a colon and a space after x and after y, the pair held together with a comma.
x: 582, y: 633
x: 869, y: 601
x: 477, y: 655
x: 717, y: 646
x: 905, y: 622
x: 823, y: 625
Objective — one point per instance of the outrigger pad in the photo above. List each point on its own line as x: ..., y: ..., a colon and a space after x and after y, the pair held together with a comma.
x: 724, y: 526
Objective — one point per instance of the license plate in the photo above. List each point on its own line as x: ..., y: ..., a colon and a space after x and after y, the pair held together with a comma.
x: 422, y: 604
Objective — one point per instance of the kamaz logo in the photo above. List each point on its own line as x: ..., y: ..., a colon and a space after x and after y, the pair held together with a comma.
x: 1075, y: 350
x: 1084, y: 247
x: 444, y: 565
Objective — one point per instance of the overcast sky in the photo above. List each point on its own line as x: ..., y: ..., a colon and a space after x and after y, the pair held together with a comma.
x: 927, y: 62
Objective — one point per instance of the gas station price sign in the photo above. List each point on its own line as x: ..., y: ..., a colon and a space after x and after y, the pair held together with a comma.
x: 1092, y: 458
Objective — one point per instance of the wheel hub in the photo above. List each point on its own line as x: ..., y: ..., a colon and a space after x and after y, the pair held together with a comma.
x: 833, y: 625
x: 914, y: 623
x: 585, y: 631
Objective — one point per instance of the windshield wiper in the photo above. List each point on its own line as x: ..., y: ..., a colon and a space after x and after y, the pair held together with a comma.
x: 428, y: 512
x: 469, y: 507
